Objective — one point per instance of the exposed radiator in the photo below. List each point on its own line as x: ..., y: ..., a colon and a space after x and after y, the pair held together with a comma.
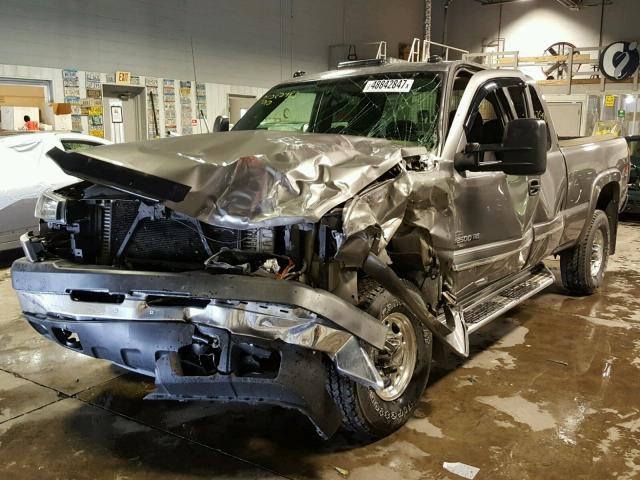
x: 177, y: 238
x: 107, y: 219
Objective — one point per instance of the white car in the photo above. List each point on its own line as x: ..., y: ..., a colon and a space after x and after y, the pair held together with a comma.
x: 27, y: 171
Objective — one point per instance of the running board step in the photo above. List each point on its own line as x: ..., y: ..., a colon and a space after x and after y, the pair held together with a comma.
x: 488, y: 307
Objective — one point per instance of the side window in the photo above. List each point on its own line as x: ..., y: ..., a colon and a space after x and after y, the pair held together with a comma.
x: 504, y: 100
x: 538, y: 112
x: 459, y: 86
x: 486, y: 123
x: 519, y: 100
x: 76, y: 145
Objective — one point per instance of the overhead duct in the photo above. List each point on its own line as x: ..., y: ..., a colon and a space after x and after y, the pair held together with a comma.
x: 571, y: 4
x: 496, y: 2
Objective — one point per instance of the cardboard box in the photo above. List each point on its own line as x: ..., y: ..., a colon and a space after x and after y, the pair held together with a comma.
x: 62, y: 123
x: 21, y: 96
x: 12, y: 118
x: 58, y: 115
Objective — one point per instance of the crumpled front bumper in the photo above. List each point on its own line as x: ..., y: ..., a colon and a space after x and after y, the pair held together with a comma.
x: 144, y: 320
x: 153, y: 348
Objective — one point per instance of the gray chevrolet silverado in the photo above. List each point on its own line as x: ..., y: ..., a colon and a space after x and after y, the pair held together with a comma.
x: 353, y: 226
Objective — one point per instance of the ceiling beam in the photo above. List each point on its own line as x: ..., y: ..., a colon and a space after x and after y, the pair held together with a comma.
x: 571, y: 4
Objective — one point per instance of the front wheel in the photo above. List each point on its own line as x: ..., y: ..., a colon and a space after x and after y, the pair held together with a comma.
x: 583, y: 266
x: 404, y: 363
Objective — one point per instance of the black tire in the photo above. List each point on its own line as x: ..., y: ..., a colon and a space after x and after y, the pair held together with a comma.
x: 576, y: 263
x: 364, y: 412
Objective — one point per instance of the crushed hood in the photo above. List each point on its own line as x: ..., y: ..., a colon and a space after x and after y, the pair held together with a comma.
x: 243, y: 179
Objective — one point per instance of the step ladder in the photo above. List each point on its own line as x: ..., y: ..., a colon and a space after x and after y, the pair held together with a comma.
x: 490, y: 303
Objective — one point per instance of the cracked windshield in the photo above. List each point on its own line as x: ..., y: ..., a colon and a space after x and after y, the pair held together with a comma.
x: 400, y: 107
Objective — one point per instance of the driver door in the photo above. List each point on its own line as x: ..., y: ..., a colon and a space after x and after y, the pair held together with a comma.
x: 493, y: 212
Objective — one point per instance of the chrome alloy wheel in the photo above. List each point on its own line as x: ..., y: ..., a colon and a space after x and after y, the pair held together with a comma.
x: 597, y: 253
x: 397, y: 360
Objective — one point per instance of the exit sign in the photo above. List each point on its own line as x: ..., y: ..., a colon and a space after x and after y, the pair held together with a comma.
x: 123, y: 78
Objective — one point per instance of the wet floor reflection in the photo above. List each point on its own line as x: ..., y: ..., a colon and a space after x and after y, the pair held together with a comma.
x: 550, y: 391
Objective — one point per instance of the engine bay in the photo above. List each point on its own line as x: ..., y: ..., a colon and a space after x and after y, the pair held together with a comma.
x: 104, y: 226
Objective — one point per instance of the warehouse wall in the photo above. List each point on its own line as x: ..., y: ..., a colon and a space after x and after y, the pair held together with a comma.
x: 216, y: 93
x: 531, y: 26
x: 244, y: 42
x: 396, y: 21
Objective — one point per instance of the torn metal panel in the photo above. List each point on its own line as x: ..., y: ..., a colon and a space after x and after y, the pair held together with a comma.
x: 381, y: 206
x: 430, y: 211
x: 249, y: 179
x: 417, y: 199
x: 431, y: 202
x: 411, y: 249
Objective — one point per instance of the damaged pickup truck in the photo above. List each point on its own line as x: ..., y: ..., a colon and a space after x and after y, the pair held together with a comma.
x: 351, y: 227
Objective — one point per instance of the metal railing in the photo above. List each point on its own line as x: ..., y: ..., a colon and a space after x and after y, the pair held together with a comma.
x: 589, y: 56
x: 414, y: 53
x: 426, y: 49
x: 421, y: 50
x: 382, y: 50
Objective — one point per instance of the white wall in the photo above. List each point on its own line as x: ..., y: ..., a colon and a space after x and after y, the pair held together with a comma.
x: 240, y: 46
x: 395, y: 21
x: 530, y: 26
x: 217, y: 94
x: 244, y: 42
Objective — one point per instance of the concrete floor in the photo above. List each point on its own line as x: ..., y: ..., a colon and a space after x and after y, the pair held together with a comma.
x: 551, y: 391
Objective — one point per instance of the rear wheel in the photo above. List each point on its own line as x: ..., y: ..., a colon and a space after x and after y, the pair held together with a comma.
x: 583, y: 266
x: 404, y: 363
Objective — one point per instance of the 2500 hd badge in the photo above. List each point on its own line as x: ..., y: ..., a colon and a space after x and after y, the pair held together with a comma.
x: 462, y: 238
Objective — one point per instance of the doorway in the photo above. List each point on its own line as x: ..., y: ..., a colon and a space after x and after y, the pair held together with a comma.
x: 238, y: 105
x: 26, y: 97
x: 125, y: 117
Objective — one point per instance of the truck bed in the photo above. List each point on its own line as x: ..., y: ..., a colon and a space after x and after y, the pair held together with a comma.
x: 584, y: 163
x: 577, y: 141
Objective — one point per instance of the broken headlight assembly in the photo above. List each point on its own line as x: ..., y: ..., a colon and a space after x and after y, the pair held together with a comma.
x: 51, y: 208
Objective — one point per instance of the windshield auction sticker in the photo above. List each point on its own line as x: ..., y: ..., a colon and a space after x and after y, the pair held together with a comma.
x: 388, y: 85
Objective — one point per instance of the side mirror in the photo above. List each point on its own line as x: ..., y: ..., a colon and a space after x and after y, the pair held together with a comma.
x: 523, y: 150
x: 221, y: 124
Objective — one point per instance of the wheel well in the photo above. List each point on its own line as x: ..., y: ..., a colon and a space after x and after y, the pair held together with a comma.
x: 608, y: 201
